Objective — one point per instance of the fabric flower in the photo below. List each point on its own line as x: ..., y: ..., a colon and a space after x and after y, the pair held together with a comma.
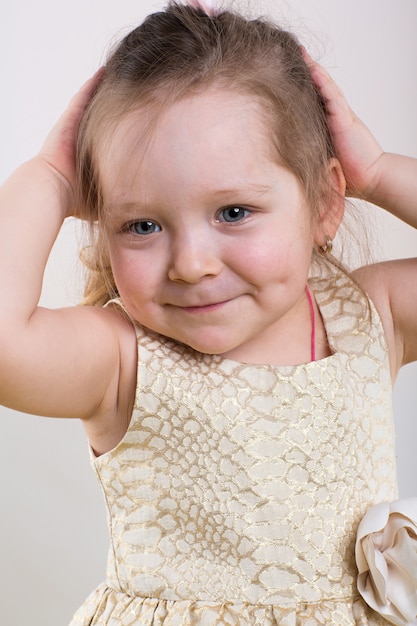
x: 386, y: 557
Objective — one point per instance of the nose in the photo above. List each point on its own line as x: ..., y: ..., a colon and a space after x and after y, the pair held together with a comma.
x: 193, y: 257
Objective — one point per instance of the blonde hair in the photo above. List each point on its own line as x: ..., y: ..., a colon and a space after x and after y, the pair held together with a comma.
x: 182, y: 50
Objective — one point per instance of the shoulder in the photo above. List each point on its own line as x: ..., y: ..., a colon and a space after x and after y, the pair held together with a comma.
x: 392, y: 287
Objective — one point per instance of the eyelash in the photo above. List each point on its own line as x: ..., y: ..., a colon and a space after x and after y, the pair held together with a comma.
x: 157, y: 228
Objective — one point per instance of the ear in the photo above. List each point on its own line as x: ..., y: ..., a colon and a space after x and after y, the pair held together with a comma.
x: 333, y: 206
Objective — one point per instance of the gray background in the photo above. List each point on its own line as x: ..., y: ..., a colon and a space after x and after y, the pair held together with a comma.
x: 53, y: 536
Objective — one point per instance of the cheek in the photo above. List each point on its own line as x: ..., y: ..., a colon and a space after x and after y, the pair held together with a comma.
x: 117, y: 264
x: 278, y: 258
x: 263, y: 254
x: 125, y: 271
x: 136, y: 276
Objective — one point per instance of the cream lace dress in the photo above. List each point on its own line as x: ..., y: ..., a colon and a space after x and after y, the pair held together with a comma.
x: 235, y: 495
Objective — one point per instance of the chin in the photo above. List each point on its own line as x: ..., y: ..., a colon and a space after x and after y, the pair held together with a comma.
x: 207, y: 345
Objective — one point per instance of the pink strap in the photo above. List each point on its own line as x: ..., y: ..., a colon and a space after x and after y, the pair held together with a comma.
x: 313, y: 323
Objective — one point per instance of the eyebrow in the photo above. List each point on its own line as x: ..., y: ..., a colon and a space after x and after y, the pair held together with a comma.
x: 238, y: 193
x: 247, y: 188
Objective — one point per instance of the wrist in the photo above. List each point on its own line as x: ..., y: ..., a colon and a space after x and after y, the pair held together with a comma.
x: 372, y: 187
x: 47, y: 174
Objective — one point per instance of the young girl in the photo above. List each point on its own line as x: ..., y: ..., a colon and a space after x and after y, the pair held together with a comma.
x: 234, y: 381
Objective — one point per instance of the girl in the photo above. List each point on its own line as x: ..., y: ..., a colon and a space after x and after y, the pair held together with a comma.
x: 235, y: 387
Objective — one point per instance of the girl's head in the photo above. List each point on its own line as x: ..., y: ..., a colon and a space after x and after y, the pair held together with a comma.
x: 181, y: 52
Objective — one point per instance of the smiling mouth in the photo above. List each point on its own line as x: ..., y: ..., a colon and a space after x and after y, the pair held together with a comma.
x: 205, y: 308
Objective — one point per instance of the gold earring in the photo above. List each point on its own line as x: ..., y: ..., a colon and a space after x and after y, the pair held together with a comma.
x: 326, y: 248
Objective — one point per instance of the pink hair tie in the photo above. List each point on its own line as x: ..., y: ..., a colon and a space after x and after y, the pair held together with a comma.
x: 208, y: 6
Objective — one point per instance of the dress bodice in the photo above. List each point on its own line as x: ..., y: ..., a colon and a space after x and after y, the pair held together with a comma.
x: 243, y: 485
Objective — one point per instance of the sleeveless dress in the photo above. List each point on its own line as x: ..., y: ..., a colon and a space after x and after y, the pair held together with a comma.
x: 235, y: 495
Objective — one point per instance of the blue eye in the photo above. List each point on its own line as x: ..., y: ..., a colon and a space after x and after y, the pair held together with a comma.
x: 144, y: 227
x: 232, y: 214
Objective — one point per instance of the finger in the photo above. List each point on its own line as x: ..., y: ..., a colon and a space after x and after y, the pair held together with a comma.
x: 333, y: 97
x: 83, y: 96
x: 306, y: 56
x: 59, y: 148
x: 68, y: 123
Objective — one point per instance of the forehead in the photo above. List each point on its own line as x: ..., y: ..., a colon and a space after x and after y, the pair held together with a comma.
x: 216, y: 125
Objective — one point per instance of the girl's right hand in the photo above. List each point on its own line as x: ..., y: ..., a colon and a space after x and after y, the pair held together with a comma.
x: 59, y: 149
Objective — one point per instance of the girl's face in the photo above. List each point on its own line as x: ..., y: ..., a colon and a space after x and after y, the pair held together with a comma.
x: 210, y: 240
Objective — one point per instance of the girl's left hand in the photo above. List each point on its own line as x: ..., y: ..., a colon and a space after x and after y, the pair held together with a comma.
x: 356, y: 148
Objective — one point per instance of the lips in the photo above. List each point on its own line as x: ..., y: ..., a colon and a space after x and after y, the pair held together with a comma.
x: 195, y: 300
x: 204, y: 307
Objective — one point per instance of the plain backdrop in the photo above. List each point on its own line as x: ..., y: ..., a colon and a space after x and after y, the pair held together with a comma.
x: 53, y: 538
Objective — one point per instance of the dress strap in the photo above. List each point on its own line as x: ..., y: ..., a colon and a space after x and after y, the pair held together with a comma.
x: 313, y: 323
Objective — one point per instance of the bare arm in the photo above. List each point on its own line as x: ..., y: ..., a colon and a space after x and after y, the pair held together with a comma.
x: 389, y: 181
x: 63, y: 362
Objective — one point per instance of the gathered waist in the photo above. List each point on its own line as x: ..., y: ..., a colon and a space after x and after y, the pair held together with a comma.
x: 111, y: 607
